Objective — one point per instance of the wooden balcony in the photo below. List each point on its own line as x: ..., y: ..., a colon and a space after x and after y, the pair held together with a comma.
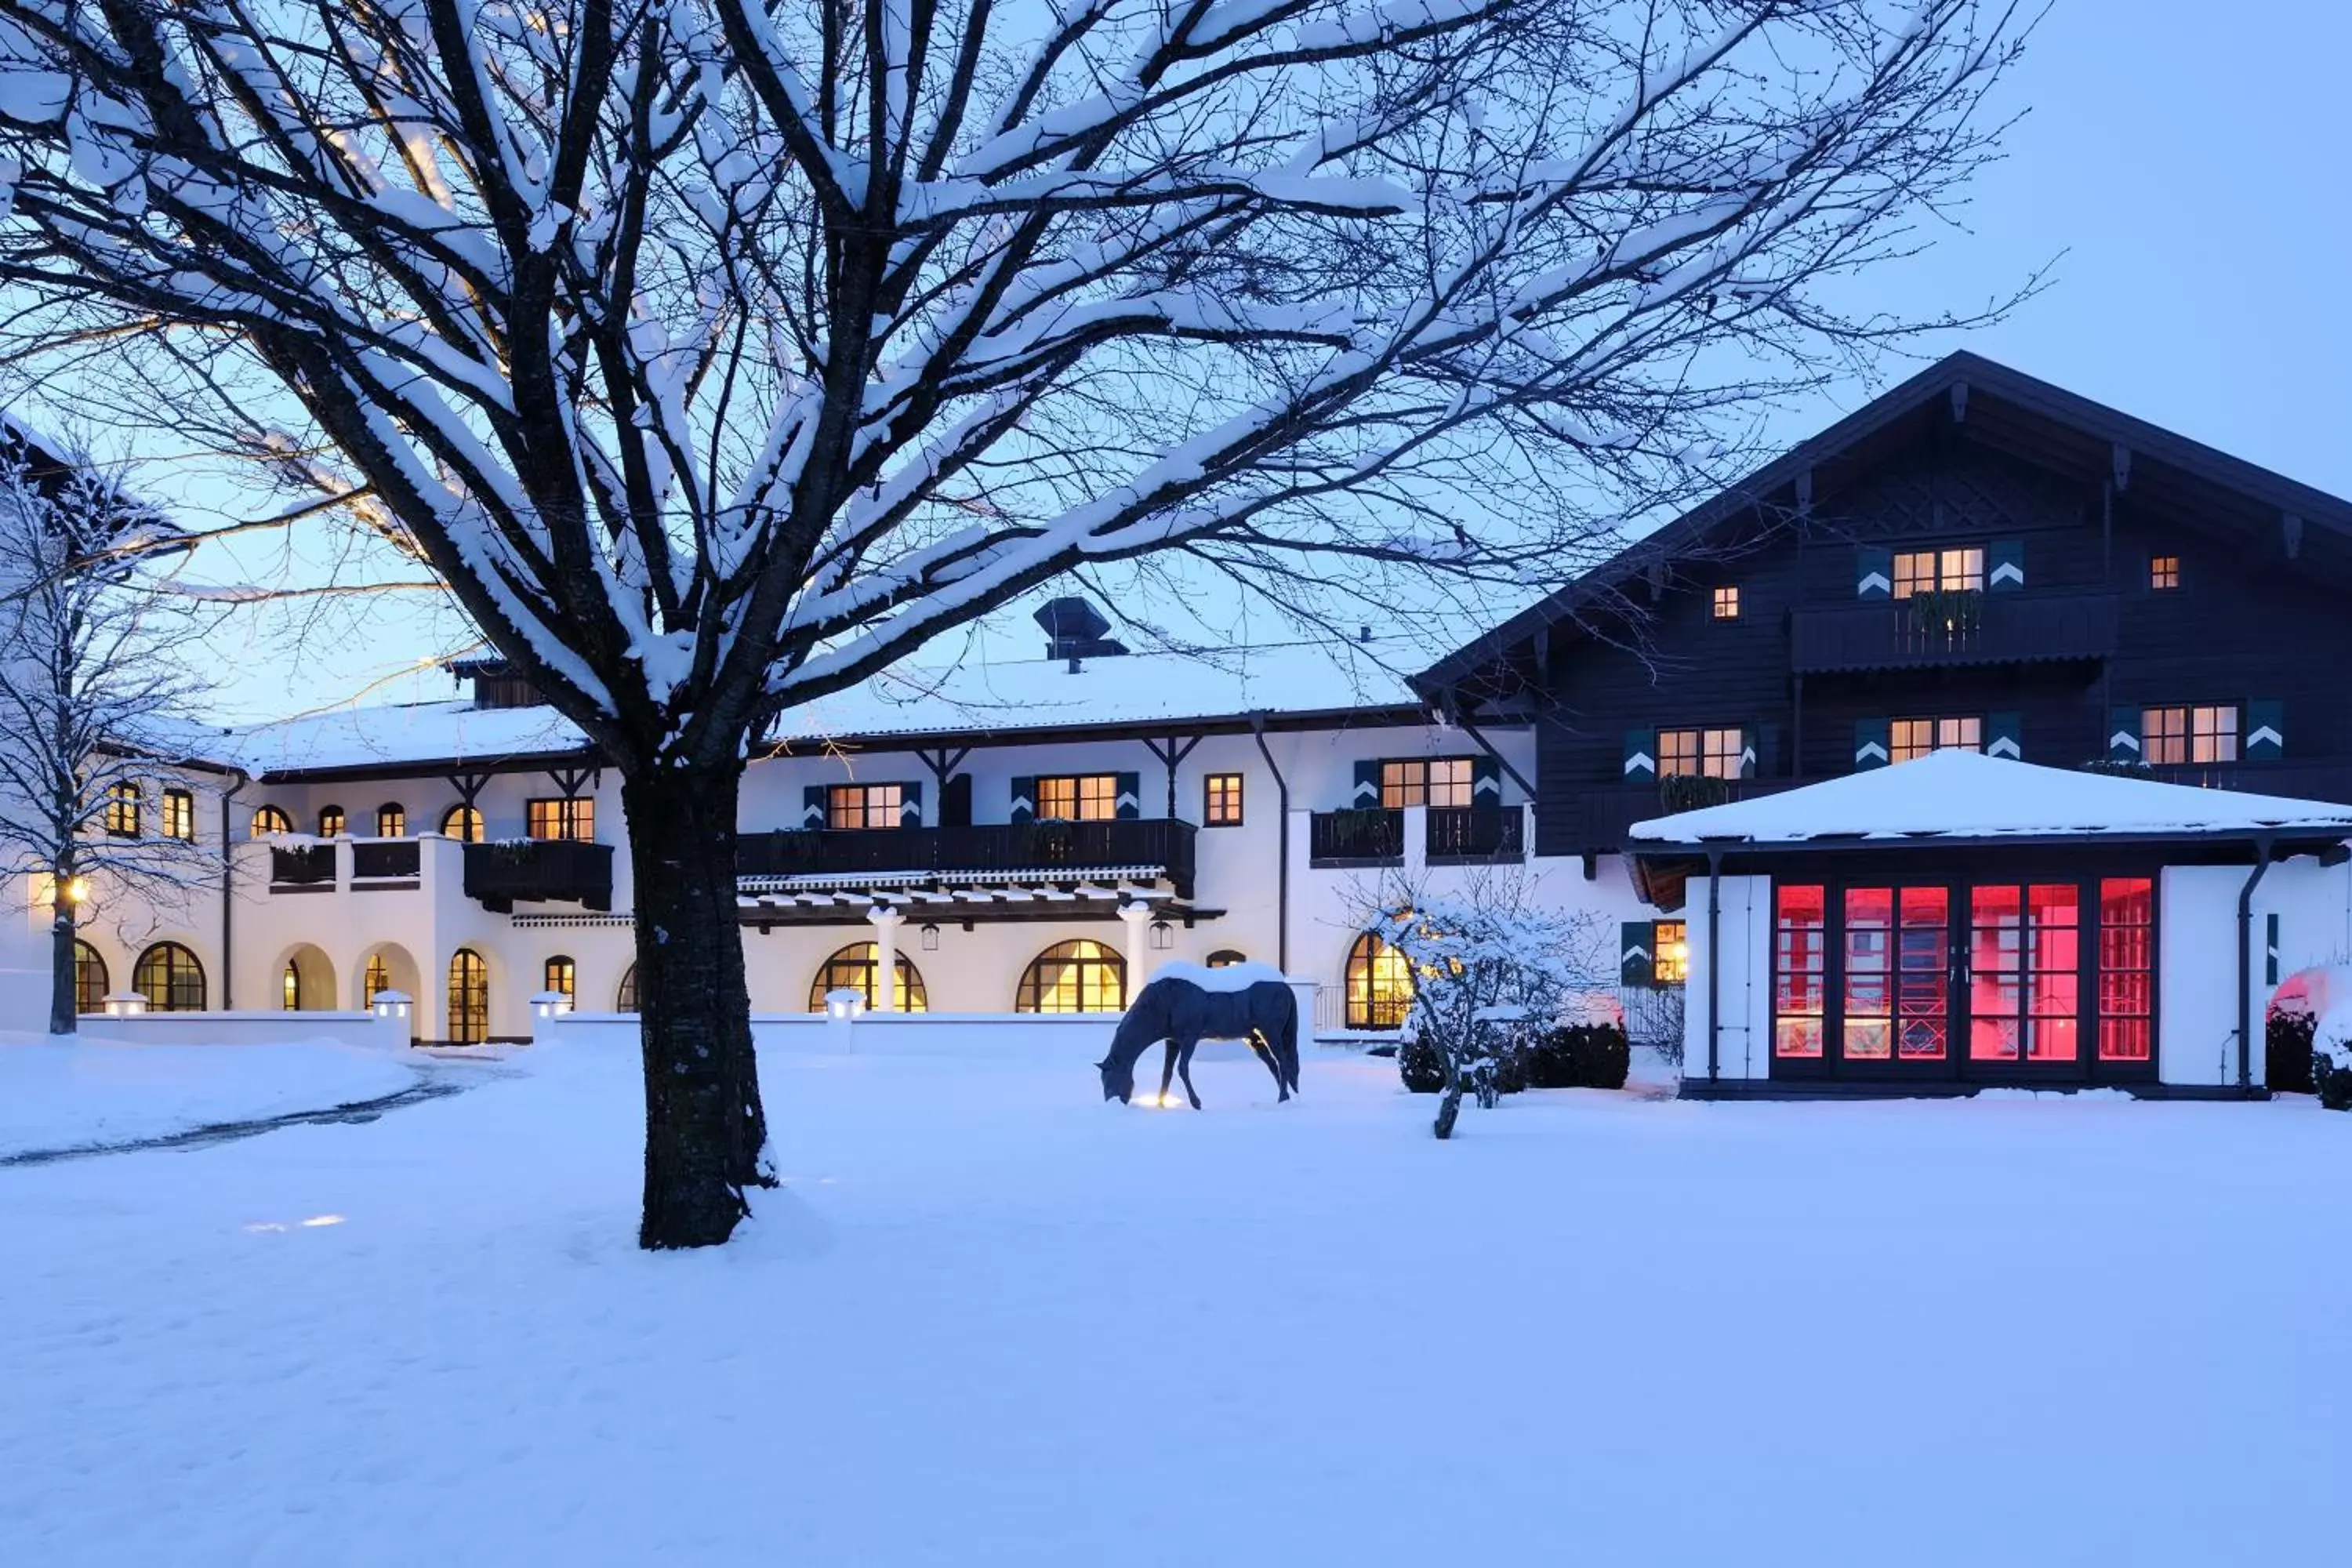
x: 2326, y: 782
x: 384, y: 860
x: 536, y: 870
x: 302, y: 868
x: 1992, y: 628
x: 1364, y: 836
x: 1040, y: 852
x: 1475, y: 835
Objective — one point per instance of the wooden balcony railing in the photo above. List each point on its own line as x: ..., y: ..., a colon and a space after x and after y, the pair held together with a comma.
x: 1953, y: 630
x: 1020, y: 850
x: 384, y: 860
x: 301, y: 866
x: 1474, y: 835
x: 1362, y: 836
x: 554, y: 870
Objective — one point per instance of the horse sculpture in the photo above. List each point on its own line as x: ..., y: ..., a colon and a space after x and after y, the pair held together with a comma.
x: 1185, y: 1004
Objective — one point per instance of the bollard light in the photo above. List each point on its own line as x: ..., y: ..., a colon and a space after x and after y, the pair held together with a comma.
x: 550, y: 1005
x: 125, y: 1004
x: 844, y: 1003
x: 391, y: 1004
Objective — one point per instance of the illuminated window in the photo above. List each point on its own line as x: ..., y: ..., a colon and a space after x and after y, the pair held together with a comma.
x: 626, y: 999
x: 331, y: 821
x: 1910, y: 738
x: 1081, y: 797
x: 1799, y: 964
x: 1711, y: 753
x: 469, y: 997
x: 2024, y: 982
x: 1226, y: 957
x: 1079, y: 976
x: 1380, y: 984
x: 391, y: 820
x: 375, y: 980
x: 1896, y: 1003
x: 1669, y: 952
x: 462, y: 823
x: 560, y: 975
x: 170, y: 979
x: 1439, y: 781
x: 572, y: 816
x: 1221, y: 804
x: 1929, y: 571
x: 270, y: 819
x: 856, y: 968
x: 290, y: 988
x: 2126, y: 969
x: 179, y: 816
x: 91, y: 983
x: 1726, y: 604
x: 122, y: 810
x: 864, y: 806
x: 2163, y: 571
x: 2190, y: 734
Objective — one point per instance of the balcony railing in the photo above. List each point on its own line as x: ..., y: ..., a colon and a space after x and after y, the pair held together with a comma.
x: 2331, y: 783
x: 1364, y: 835
x: 1950, y: 629
x: 301, y: 866
x: 553, y: 870
x: 1470, y: 835
x: 1029, y: 850
x: 384, y: 860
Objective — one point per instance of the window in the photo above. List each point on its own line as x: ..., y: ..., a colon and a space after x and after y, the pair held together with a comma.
x: 864, y: 806
x: 1910, y: 738
x: 1436, y: 781
x: 122, y: 810
x: 270, y: 819
x: 1073, y: 977
x: 2163, y: 572
x: 1083, y: 798
x: 626, y: 999
x: 572, y: 816
x: 290, y: 988
x: 1380, y: 984
x: 2126, y: 969
x: 561, y: 976
x: 469, y: 997
x: 331, y: 821
x: 1669, y: 952
x: 1713, y: 754
x: 1929, y: 571
x: 1226, y: 957
x: 1726, y: 604
x: 2024, y: 984
x: 391, y: 820
x: 179, y: 816
x: 1898, y: 942
x: 170, y: 979
x: 91, y: 983
x: 855, y: 968
x: 2205, y: 734
x: 375, y: 980
x: 1800, y: 963
x: 462, y: 823
x: 1220, y: 804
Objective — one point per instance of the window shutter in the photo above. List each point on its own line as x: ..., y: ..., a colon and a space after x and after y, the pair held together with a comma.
x: 2005, y: 565
x: 1024, y: 799
x: 812, y: 811
x: 2270, y: 950
x: 1874, y: 573
x: 1637, y: 960
x: 1129, y: 790
x: 2005, y: 736
x: 2265, y: 731
x: 1764, y: 739
x: 1872, y: 741
x: 1367, y: 785
x: 2123, y: 735
x: 1486, y: 781
x: 955, y: 801
x: 1748, y: 743
x: 911, y: 804
x: 1641, y: 756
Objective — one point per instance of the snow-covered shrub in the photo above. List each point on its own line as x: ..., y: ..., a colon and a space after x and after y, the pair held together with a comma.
x: 1421, y: 1068
x: 2287, y: 1046
x: 2331, y: 1058
x: 1580, y: 1055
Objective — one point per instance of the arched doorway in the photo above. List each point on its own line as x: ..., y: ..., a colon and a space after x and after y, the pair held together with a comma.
x: 1081, y: 977
x: 304, y: 980
x: 90, y: 982
x: 853, y: 969
x: 170, y: 979
x: 469, y: 998
x: 1380, y: 984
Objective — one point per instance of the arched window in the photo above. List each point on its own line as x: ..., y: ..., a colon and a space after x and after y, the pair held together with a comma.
x: 626, y: 999
x: 391, y: 820
x: 1226, y: 957
x: 469, y: 997
x: 462, y: 823
x: 122, y: 810
x: 1079, y: 976
x: 170, y: 979
x: 331, y: 821
x: 270, y: 819
x: 289, y: 987
x: 376, y: 978
x: 89, y: 978
x: 561, y: 976
x: 853, y: 969
x: 179, y: 816
x: 1380, y: 984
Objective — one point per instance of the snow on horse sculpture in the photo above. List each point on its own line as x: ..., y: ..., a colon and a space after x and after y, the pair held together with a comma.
x: 1185, y: 1004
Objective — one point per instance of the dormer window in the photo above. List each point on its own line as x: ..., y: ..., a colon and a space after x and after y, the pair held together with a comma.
x: 1727, y: 603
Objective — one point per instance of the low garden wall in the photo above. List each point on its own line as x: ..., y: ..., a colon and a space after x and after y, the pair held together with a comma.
x: 256, y: 1027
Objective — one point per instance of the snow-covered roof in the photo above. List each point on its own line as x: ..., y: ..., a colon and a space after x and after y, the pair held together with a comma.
x: 392, y: 735
x: 1963, y: 795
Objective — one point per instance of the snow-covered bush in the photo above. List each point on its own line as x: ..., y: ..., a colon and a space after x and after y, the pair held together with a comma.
x: 1580, y: 1055
x: 2331, y: 1056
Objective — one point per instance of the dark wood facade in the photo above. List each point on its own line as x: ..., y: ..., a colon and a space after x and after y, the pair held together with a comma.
x: 2068, y: 635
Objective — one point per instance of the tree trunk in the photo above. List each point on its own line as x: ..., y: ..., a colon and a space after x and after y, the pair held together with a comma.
x: 64, y: 989
x: 706, y: 1135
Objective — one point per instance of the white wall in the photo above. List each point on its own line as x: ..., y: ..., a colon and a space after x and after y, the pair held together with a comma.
x: 249, y: 1028
x: 1743, y: 988
x: 1078, y: 1038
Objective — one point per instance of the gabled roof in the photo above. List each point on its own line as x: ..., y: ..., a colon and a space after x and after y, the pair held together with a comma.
x: 2006, y: 409
x: 1964, y: 796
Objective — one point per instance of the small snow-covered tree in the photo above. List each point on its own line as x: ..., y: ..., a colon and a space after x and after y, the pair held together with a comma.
x: 99, y: 667
x: 719, y: 354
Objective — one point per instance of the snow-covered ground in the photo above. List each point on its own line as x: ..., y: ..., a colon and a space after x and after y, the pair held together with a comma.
x: 994, y: 1321
x: 90, y: 1091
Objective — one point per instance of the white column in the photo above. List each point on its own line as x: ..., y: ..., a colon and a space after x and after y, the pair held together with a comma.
x: 886, y: 918
x: 1137, y: 947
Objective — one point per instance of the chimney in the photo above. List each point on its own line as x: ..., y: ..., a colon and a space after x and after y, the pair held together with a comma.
x: 1074, y: 630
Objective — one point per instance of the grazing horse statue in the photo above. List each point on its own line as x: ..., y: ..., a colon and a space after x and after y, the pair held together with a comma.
x: 1185, y: 1004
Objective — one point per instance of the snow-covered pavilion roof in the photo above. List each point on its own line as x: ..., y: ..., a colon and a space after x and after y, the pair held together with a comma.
x: 1964, y: 796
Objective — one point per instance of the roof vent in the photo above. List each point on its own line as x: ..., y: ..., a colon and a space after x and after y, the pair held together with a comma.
x: 1074, y: 630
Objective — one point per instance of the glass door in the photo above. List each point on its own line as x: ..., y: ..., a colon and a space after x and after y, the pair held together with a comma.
x: 1895, y: 990
x: 2025, y: 979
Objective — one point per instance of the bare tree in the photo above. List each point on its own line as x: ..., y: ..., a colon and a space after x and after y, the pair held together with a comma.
x: 719, y: 354
x: 99, y: 667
